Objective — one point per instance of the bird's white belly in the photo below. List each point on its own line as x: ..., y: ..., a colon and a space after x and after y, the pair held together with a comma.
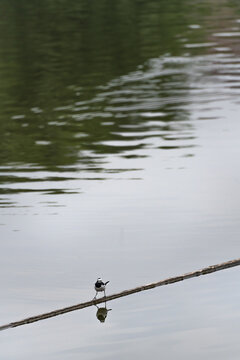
x: 101, y: 288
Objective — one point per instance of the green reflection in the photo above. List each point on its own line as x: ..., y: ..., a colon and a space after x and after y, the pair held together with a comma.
x: 84, y: 80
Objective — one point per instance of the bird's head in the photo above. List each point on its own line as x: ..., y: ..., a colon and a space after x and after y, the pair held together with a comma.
x: 99, y: 279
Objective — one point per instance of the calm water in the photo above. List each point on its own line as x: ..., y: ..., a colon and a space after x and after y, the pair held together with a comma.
x: 119, y: 132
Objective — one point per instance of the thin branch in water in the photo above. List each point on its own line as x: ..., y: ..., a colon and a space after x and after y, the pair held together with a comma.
x: 171, y: 280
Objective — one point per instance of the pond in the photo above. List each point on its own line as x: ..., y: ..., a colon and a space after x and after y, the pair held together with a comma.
x: 119, y: 132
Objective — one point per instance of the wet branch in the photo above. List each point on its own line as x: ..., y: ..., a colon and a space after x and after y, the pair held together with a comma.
x: 171, y: 280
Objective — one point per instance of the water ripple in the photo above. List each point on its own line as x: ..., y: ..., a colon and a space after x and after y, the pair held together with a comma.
x: 148, y: 109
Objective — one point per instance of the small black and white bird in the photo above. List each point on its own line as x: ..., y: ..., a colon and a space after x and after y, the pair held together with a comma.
x: 100, y: 286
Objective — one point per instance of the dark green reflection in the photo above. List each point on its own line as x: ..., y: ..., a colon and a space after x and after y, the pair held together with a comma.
x: 84, y: 79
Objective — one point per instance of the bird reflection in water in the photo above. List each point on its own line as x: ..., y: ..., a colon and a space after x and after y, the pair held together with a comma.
x: 102, y: 313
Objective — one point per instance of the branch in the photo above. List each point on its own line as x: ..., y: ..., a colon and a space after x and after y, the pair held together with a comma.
x: 171, y: 280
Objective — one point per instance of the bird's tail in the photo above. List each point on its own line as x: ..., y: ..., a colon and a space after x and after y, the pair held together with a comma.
x: 106, y: 282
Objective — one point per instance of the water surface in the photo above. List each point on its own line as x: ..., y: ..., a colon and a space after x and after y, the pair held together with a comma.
x: 119, y: 134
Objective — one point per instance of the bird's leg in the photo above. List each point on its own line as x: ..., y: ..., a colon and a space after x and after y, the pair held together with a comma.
x: 104, y: 293
x: 95, y: 296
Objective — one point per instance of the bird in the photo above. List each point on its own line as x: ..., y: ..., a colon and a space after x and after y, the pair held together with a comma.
x: 100, y: 286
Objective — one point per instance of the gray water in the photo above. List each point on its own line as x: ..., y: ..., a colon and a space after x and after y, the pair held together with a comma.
x: 119, y: 158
